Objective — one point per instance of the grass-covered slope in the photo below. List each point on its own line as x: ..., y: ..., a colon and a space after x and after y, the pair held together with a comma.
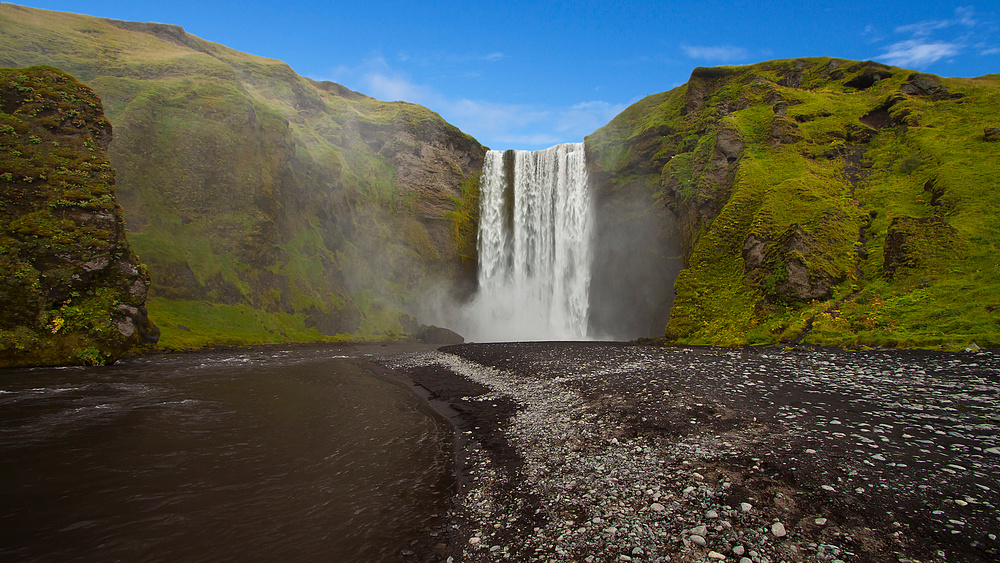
x: 822, y: 201
x: 268, y: 207
x: 72, y: 289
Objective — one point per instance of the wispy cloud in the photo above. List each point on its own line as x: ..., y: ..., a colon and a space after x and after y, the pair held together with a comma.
x: 722, y: 53
x: 991, y: 51
x: 931, y: 41
x: 964, y: 16
x: 499, y: 125
x: 917, y: 53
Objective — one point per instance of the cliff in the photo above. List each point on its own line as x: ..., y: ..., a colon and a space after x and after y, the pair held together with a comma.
x: 72, y: 289
x: 821, y: 201
x: 268, y: 207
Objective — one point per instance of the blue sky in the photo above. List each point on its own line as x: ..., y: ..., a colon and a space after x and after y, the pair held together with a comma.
x: 518, y: 74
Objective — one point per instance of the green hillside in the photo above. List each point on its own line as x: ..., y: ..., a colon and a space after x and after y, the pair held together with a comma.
x: 822, y: 201
x: 268, y: 207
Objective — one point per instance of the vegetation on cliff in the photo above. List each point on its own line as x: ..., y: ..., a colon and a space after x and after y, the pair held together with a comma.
x: 822, y: 201
x: 267, y: 206
x: 72, y: 289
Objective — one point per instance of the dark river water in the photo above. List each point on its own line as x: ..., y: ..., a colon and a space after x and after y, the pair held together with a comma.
x: 294, y: 455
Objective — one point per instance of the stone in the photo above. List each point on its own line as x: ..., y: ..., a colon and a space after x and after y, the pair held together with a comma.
x: 778, y: 529
x: 698, y: 540
x: 700, y: 530
x: 711, y: 514
x: 991, y: 134
x: 716, y: 555
x: 657, y: 507
x: 820, y: 521
x: 738, y: 550
x: 745, y: 507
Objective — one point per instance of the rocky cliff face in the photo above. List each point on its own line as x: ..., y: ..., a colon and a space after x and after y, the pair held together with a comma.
x: 820, y: 200
x: 268, y: 207
x: 72, y: 288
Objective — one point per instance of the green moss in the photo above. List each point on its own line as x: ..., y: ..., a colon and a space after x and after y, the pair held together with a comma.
x: 186, y: 324
x: 821, y: 170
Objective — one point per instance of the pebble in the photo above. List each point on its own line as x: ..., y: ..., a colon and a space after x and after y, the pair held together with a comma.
x: 638, y: 472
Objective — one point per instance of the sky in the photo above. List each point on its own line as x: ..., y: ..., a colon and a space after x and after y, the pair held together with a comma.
x: 527, y: 75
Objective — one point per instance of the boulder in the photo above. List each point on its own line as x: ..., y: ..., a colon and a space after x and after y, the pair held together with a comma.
x: 438, y: 335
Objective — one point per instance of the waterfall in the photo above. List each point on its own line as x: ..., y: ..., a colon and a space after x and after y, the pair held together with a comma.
x: 535, y: 235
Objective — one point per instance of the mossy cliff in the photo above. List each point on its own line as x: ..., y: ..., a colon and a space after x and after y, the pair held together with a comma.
x: 72, y: 289
x: 268, y: 207
x: 821, y: 201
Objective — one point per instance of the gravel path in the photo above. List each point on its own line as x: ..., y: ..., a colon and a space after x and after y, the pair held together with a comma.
x: 616, y: 452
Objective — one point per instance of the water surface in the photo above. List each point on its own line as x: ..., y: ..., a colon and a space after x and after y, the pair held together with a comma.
x: 295, y: 455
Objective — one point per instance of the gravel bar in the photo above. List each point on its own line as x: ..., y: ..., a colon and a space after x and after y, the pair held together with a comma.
x: 620, y: 452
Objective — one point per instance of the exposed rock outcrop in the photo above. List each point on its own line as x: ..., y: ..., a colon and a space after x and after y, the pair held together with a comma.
x: 910, y: 241
x: 73, y: 290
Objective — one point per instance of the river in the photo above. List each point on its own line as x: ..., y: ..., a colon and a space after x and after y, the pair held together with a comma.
x: 297, y: 454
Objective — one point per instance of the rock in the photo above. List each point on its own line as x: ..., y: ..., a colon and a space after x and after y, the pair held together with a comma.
x: 745, y: 507
x: 657, y: 507
x: 820, y: 521
x: 711, y: 514
x: 698, y: 540
x: 61, y: 284
x: 973, y: 348
x: 700, y: 530
x: 437, y: 335
x: 716, y: 555
x: 474, y: 540
x: 991, y: 134
x: 778, y: 529
x: 738, y: 550
x: 909, y: 239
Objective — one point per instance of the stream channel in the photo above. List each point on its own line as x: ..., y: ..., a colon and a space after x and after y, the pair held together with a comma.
x: 292, y: 454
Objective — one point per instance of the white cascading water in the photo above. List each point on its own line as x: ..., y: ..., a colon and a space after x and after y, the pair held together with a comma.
x: 534, y: 260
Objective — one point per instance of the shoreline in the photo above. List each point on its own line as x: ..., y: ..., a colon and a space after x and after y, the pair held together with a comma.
x: 618, y: 451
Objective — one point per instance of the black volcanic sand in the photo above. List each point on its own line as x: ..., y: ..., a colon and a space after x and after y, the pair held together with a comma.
x: 619, y: 452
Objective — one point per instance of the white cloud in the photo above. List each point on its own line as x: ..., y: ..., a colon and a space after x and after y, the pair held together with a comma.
x: 584, y: 118
x: 963, y: 16
x: 724, y: 53
x: 992, y: 51
x: 917, y: 53
x: 504, y: 125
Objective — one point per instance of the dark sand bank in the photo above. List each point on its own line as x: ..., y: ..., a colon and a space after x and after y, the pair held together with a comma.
x: 616, y: 452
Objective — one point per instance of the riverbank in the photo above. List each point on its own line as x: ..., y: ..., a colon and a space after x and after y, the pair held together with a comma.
x: 617, y: 452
